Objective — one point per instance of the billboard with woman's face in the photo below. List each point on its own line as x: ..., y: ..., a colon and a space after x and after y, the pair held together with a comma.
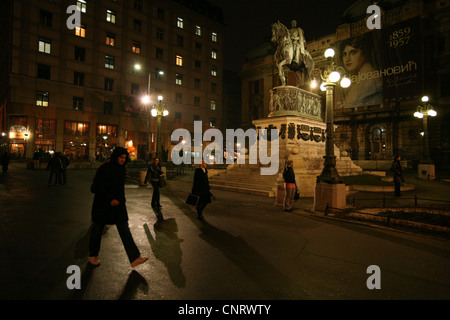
x: 383, y: 65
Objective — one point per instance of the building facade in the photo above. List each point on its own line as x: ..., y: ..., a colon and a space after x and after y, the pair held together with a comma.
x: 413, y: 55
x: 78, y: 89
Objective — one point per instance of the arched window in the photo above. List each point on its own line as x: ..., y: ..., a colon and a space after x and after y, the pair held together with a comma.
x: 377, y: 142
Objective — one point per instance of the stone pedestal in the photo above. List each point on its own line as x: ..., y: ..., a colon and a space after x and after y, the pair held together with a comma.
x: 331, y: 194
x: 426, y: 171
x: 279, y: 197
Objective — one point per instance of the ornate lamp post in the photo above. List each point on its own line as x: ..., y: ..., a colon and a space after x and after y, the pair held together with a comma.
x: 423, y: 111
x: 159, y: 111
x: 146, y: 101
x: 330, y: 189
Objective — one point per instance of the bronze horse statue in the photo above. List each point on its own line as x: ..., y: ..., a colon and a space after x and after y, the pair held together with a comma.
x: 285, y: 53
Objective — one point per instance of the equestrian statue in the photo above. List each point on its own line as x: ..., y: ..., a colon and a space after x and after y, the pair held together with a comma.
x: 291, y: 52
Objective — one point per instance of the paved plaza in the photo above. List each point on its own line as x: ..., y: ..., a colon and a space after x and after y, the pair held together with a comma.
x: 247, y: 249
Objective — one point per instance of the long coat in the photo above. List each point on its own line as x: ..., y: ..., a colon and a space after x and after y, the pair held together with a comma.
x: 201, y: 185
x: 397, y: 171
x: 109, y: 185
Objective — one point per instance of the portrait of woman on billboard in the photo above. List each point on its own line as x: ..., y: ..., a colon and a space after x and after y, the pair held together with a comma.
x: 357, y: 57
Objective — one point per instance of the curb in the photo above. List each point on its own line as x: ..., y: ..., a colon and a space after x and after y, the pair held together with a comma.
x: 417, y: 225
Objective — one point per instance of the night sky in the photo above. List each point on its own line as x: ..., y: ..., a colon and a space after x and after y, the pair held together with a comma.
x: 248, y: 22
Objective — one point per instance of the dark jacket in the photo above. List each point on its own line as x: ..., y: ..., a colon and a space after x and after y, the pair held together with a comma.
x: 55, y: 163
x: 153, y: 173
x: 288, y: 175
x: 109, y: 183
x: 396, y: 169
x: 201, y: 185
x: 64, y: 162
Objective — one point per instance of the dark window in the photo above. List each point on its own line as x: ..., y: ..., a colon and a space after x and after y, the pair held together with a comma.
x: 78, y: 103
x: 43, y: 71
x: 159, y: 53
x: 108, y: 107
x: 138, y: 5
x: 137, y: 25
x: 109, y: 84
x: 160, y: 14
x: 78, y: 78
x: 134, y: 88
x: 80, y: 54
x: 159, y: 34
x: 180, y: 41
x: 46, y: 18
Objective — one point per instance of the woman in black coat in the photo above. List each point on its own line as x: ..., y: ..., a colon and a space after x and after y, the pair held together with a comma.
x: 396, y: 169
x: 290, y: 185
x: 109, y: 207
x: 200, y: 187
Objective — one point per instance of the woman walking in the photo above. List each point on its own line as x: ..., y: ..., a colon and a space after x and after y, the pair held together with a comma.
x: 154, y: 173
x: 289, y: 185
x: 109, y: 207
x: 201, y: 188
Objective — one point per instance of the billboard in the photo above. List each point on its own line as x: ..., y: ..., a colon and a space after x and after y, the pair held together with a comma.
x: 383, y: 65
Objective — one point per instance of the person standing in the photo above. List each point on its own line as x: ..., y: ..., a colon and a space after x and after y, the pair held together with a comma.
x: 5, y: 161
x: 64, y: 164
x: 290, y: 185
x: 109, y: 207
x: 201, y: 188
x: 396, y: 169
x: 154, y: 173
x: 37, y: 159
x: 55, y: 166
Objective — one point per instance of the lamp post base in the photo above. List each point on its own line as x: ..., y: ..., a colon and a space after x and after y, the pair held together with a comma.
x: 329, y: 173
x: 426, y: 171
x: 332, y: 195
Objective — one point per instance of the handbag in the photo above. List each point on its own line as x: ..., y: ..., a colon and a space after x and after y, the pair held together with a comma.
x: 296, y: 195
x: 192, y: 199
x: 162, y: 181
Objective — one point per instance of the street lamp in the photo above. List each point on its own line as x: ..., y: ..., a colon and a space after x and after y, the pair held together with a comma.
x: 330, y: 188
x: 146, y: 101
x: 423, y: 111
x: 330, y: 75
x: 159, y: 111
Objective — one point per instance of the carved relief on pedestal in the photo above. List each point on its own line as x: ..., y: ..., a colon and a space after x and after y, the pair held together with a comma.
x: 293, y: 101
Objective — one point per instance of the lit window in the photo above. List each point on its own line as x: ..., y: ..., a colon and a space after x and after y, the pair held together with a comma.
x: 214, y: 37
x: 110, y: 39
x: 212, y: 122
x: 214, y: 71
x: 111, y: 16
x: 180, y: 23
x: 179, y: 61
x: 45, y: 45
x: 80, y: 31
x: 179, y: 79
x: 198, y: 30
x: 214, y: 54
x: 109, y: 62
x: 213, y: 104
x: 81, y: 5
x: 42, y: 99
x: 136, y: 48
